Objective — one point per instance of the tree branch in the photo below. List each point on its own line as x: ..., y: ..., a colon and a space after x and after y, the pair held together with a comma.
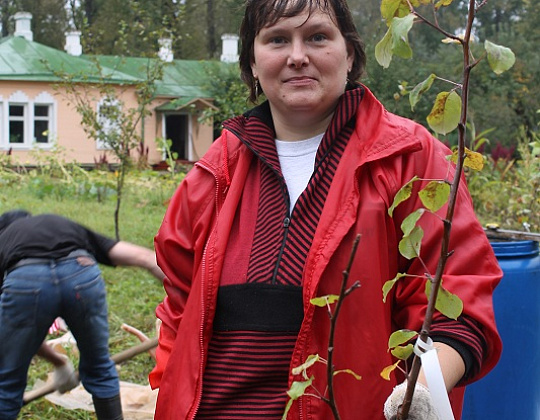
x: 333, y: 321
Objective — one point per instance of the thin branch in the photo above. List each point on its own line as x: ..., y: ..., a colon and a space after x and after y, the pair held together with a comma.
x: 333, y: 321
x: 458, y: 85
x: 433, y: 25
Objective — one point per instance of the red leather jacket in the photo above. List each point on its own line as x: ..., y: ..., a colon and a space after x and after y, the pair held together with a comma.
x: 384, y: 152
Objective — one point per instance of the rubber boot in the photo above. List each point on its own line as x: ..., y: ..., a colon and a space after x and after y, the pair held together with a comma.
x: 108, y: 408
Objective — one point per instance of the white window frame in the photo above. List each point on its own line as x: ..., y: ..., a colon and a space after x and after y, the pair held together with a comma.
x: 107, y: 124
x: 44, y: 99
x: 19, y: 98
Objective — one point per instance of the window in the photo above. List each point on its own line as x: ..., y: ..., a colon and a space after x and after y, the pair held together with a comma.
x: 28, y: 122
x: 17, y: 114
x: 109, y: 111
x: 41, y: 123
x: 43, y: 119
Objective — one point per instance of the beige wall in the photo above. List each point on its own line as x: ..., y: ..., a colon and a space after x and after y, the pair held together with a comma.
x: 68, y: 133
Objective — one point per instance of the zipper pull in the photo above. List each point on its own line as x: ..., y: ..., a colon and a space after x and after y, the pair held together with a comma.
x: 286, y: 222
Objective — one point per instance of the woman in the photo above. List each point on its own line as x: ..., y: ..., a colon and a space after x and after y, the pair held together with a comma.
x: 266, y: 219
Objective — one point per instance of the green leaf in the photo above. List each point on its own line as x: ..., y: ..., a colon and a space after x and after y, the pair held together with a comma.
x: 390, y: 284
x: 395, y: 41
x: 400, y: 337
x: 298, y: 388
x: 402, y: 352
x: 383, y: 50
x: 296, y: 391
x: 409, y: 246
x: 500, y: 58
x: 350, y: 372
x: 287, y: 408
x: 447, y: 303
x: 409, y: 223
x: 400, y: 27
x: 446, y: 113
x: 388, y: 370
x: 402, y: 195
x: 435, y: 195
x: 310, y: 361
x: 323, y: 301
x: 419, y: 89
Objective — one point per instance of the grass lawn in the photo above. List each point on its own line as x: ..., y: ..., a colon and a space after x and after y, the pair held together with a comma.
x: 133, y: 293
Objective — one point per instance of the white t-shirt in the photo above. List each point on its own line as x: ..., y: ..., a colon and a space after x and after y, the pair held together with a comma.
x: 297, y: 160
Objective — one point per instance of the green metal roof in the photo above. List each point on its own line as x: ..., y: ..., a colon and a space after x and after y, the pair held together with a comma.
x: 183, y: 81
x: 21, y: 59
x: 181, y: 78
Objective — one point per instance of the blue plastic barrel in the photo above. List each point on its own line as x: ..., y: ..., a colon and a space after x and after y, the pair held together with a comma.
x: 511, y: 391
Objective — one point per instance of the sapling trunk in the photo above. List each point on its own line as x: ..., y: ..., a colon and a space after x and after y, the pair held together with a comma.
x: 412, y: 378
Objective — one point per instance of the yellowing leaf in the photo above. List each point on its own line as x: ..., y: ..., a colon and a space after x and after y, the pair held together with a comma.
x: 322, y: 301
x: 402, y: 195
x: 409, y: 246
x: 500, y: 58
x: 350, y: 372
x: 390, y: 284
x: 435, y: 195
x: 447, y: 303
x: 446, y: 112
x: 473, y: 160
x: 389, y: 369
x: 389, y: 9
x: 460, y: 35
x: 400, y: 337
x: 402, y: 352
x: 441, y: 3
x: 394, y: 8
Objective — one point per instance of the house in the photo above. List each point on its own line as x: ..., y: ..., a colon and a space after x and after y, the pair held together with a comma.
x: 36, y: 114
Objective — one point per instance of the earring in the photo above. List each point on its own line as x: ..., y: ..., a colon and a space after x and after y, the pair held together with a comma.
x: 257, y: 87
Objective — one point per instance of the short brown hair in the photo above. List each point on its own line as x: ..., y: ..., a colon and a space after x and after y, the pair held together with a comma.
x: 261, y: 13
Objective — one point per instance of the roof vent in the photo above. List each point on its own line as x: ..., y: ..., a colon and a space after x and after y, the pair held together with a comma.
x: 165, y: 50
x: 73, y: 43
x: 22, y: 25
x: 229, y: 48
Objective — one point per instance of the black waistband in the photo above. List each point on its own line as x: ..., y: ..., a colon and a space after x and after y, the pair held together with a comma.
x: 259, y: 307
x: 32, y: 261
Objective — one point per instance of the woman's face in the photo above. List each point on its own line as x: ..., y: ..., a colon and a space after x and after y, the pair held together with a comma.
x: 302, y: 64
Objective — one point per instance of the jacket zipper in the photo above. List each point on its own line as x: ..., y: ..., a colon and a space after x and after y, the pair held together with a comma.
x: 203, y: 306
x: 286, y: 224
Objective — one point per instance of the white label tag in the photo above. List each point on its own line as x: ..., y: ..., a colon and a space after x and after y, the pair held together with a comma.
x: 434, y: 378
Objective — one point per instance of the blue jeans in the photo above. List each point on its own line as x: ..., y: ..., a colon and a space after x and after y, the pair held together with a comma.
x: 33, y: 296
